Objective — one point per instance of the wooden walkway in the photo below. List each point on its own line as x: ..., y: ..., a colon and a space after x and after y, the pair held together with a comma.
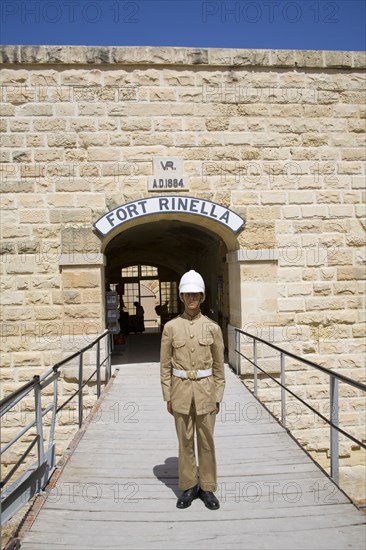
x: 119, y: 489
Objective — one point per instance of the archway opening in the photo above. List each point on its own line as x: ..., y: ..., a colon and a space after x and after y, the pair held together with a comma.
x: 155, y: 255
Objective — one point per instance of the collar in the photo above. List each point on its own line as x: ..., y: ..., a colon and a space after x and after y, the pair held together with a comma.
x: 189, y: 318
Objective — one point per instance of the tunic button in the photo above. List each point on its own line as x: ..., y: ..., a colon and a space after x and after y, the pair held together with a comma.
x: 191, y: 322
x: 193, y: 363
x: 192, y: 350
x: 191, y: 336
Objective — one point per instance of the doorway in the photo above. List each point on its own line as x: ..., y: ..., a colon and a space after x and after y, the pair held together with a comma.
x: 151, y: 257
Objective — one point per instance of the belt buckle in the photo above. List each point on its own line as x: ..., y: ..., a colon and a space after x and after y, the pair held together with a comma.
x: 192, y: 374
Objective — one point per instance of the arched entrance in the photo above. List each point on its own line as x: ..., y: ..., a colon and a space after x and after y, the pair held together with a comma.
x: 173, y: 234
x: 162, y: 251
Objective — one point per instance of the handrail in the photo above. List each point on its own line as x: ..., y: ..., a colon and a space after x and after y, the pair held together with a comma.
x: 34, y: 479
x: 17, y: 393
x: 77, y: 353
x: 341, y: 377
x: 334, y: 377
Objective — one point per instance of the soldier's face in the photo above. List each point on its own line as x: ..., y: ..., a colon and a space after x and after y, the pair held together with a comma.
x: 192, y: 301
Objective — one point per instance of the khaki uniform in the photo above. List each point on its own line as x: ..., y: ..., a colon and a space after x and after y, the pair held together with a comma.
x: 193, y: 344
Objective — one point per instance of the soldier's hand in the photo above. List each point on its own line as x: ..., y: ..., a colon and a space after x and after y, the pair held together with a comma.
x: 169, y: 407
x: 217, y: 408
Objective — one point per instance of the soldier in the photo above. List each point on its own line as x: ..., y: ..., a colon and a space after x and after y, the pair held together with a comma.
x: 193, y: 380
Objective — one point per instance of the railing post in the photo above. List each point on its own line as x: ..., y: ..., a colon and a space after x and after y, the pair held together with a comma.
x: 54, y: 412
x: 334, y: 434
x: 98, y: 368
x: 283, y: 391
x: 80, y: 390
x: 109, y: 351
x: 39, y: 420
x: 237, y: 349
x: 255, y: 367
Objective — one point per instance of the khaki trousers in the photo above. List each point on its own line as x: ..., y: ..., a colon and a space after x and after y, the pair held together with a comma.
x: 203, y: 424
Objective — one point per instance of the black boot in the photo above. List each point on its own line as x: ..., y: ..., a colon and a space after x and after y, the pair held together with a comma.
x: 187, y: 496
x: 209, y: 499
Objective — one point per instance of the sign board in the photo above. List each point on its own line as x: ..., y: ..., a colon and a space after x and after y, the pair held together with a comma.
x: 168, y: 175
x: 167, y: 205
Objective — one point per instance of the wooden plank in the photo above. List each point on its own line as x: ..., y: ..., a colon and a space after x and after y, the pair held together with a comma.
x: 120, y: 487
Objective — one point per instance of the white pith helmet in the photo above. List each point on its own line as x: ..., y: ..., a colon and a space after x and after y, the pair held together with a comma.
x: 192, y: 282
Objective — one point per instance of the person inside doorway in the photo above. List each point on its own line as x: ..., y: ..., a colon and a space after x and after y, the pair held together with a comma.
x: 140, y: 324
x: 193, y: 381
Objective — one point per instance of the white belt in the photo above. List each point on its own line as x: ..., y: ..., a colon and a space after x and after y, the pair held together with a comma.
x: 192, y: 374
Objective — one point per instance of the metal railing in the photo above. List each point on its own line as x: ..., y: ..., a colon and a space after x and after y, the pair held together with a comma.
x: 334, y: 379
x: 34, y: 479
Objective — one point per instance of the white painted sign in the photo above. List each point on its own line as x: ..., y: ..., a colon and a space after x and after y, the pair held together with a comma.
x: 166, y: 205
x: 161, y: 183
x: 168, y: 175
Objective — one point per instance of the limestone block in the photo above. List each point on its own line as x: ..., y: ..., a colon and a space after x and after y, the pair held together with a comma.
x: 35, y: 140
x: 291, y: 212
x: 170, y: 93
x: 291, y: 304
x: 354, y: 197
x: 102, y: 154
x: 218, y: 124
x: 322, y: 289
x: 82, y: 311
x: 349, y: 273
x: 353, y: 154
x: 169, y: 78
x: 80, y: 278
x: 91, y: 296
x: 296, y: 289
x: 68, y: 185
x: 260, y: 235
x: 11, y: 298
x: 359, y: 59
x: 208, y: 140
x: 75, y: 215
x: 341, y: 257
x: 150, y: 139
x: 16, y: 313
x: 91, y: 200
x: 37, y: 298
x: 67, y: 297
x: 359, y: 330
x: 289, y: 274
x: 245, y: 197
x: 64, y: 110
x: 341, y: 211
x: 137, y: 123
x: 21, y: 265
x: 7, y: 110
x: 36, y: 110
x: 301, y: 197
x: 62, y: 140
x: 357, y: 126
x: 46, y: 156
x: 13, y: 140
x: 30, y: 200
x: 168, y: 125
x: 253, y: 272
x: 17, y: 125
x: 316, y: 211
x: 356, y: 235
x: 45, y: 313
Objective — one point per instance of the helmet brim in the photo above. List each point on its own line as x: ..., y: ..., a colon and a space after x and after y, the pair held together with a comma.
x: 190, y: 287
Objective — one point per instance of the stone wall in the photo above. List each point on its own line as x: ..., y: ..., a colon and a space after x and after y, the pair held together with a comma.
x: 277, y: 136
